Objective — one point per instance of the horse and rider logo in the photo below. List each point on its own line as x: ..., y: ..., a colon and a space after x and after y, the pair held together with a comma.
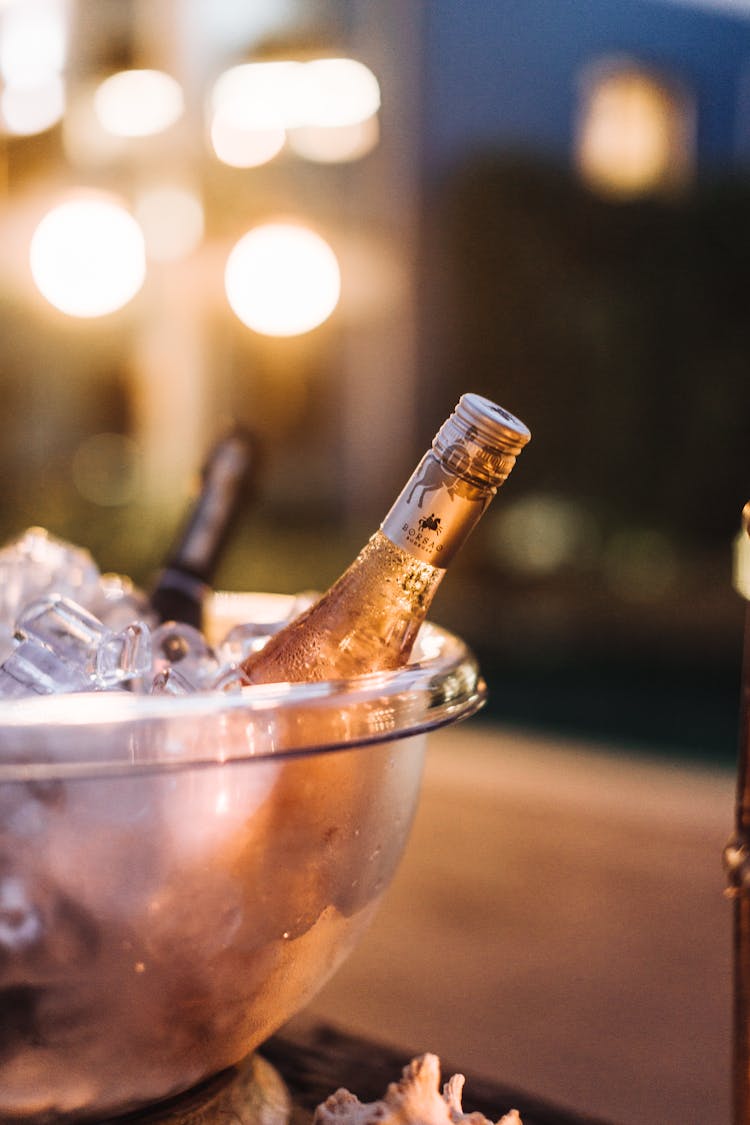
x: 425, y: 519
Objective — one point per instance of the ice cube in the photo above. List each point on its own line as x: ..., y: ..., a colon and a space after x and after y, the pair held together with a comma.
x: 241, y: 641
x: 63, y: 647
x: 64, y: 627
x: 185, y: 650
x: 170, y: 682
x: 230, y: 680
x: 118, y: 602
x: 248, y: 637
x: 37, y: 563
x: 123, y: 656
x: 34, y: 668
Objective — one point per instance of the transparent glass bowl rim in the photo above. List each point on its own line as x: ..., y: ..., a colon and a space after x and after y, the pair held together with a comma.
x: 440, y: 685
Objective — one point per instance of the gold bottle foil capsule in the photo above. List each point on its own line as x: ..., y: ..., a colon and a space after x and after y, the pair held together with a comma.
x: 471, y: 456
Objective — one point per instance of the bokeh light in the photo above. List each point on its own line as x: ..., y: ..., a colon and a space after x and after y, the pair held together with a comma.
x: 335, y: 144
x: 263, y: 95
x: 635, y: 132
x: 172, y: 221
x: 282, y: 279
x: 540, y: 534
x: 327, y: 106
x: 339, y: 92
x: 28, y: 110
x: 33, y: 43
x: 240, y: 146
x: 138, y: 103
x: 87, y: 256
x: 251, y: 106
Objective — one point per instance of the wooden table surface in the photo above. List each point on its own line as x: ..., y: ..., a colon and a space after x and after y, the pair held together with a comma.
x: 558, y: 921
x: 318, y: 1059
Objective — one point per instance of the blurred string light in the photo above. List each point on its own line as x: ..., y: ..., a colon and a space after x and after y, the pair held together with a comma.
x: 138, y: 103
x: 250, y: 108
x: 282, y: 279
x: 635, y: 131
x: 326, y: 107
x: 263, y: 95
x: 28, y: 110
x: 33, y: 53
x: 339, y: 92
x: 87, y: 256
x: 335, y: 144
x: 33, y: 43
x: 171, y: 218
x: 243, y: 146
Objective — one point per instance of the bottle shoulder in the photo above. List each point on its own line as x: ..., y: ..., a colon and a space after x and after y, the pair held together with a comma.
x: 366, y: 621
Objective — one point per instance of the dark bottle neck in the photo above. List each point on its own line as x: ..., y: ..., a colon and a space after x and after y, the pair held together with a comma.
x: 191, y: 565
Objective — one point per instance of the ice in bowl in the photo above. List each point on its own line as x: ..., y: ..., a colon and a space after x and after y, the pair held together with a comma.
x: 181, y: 867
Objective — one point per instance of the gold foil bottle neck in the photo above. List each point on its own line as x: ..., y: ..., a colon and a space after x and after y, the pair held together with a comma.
x: 472, y: 454
x: 480, y: 441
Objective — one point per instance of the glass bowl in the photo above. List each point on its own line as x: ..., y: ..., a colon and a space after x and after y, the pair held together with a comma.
x: 178, y: 876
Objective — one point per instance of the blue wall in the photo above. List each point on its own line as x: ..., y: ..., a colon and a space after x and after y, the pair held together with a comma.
x: 504, y: 73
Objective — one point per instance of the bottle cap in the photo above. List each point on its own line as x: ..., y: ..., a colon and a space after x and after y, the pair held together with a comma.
x: 480, y: 440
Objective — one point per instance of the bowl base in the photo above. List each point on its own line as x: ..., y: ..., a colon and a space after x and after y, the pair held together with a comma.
x: 251, y: 1093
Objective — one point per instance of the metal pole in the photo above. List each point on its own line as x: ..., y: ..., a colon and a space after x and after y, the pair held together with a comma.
x: 737, y: 858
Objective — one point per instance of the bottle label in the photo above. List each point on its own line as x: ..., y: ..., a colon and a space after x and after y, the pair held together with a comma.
x: 435, y: 513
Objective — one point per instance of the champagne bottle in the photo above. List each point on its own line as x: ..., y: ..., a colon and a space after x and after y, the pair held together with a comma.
x: 369, y: 619
x: 180, y: 588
